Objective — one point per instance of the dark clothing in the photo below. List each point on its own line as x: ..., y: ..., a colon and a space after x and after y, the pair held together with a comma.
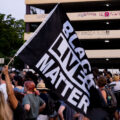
x: 19, y: 113
x: 44, y: 96
x: 50, y: 104
x: 32, y: 119
x: 98, y: 114
x: 97, y: 109
x: 108, y: 81
x: 68, y: 112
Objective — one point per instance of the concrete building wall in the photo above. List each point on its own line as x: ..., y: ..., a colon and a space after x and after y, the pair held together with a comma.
x: 96, y: 23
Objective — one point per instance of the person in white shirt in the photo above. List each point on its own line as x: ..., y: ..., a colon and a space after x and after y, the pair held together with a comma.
x: 116, y: 83
x: 3, y: 86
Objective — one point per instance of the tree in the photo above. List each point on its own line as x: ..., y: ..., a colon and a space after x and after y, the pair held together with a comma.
x: 11, y: 35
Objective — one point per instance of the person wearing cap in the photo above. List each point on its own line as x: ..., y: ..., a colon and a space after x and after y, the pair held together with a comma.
x: 44, y: 95
x: 49, y: 112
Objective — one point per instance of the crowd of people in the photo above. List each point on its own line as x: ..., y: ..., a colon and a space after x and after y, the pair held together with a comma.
x: 109, y: 86
x: 24, y: 96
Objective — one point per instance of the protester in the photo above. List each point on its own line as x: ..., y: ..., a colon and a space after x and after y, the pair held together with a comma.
x: 109, y: 77
x: 3, y: 86
x: 50, y: 111
x: 31, y: 77
x: 102, y: 81
x: 32, y: 103
x: 105, y: 72
x: 95, y: 73
x: 5, y: 110
x: 116, y: 83
x: 116, y: 89
x: 19, y: 113
x: 65, y: 112
x: 44, y: 115
x: 19, y: 89
x: 18, y: 81
x: 12, y: 75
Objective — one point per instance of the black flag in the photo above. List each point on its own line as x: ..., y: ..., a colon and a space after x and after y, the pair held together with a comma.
x: 55, y: 52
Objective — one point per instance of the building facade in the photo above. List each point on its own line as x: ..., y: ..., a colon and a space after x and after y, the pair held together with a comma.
x: 96, y: 22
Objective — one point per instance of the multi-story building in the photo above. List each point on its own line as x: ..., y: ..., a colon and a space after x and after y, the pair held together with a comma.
x: 96, y: 22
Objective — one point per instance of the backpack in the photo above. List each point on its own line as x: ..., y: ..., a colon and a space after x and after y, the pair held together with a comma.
x: 111, y: 99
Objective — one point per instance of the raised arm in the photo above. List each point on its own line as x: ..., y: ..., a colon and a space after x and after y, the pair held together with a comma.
x: 11, y: 95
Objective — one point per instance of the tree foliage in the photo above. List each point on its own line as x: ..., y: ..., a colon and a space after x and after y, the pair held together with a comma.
x: 11, y: 35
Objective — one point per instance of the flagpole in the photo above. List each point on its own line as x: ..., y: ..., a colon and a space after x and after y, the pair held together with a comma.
x: 11, y: 60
